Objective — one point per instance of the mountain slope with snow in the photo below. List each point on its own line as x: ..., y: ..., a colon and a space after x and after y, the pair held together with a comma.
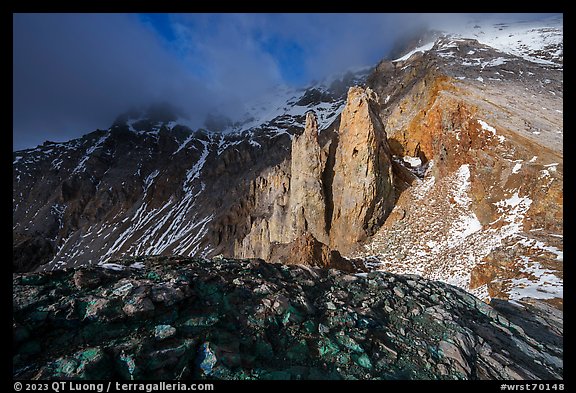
x: 474, y: 121
x: 151, y: 185
x: 538, y: 41
x: 483, y: 126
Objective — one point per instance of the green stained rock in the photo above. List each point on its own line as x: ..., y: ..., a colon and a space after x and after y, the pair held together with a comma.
x: 340, y: 320
x: 243, y: 376
x: 362, y: 360
x: 364, y: 323
x: 87, y: 279
x: 129, y: 363
x: 398, y: 292
x: 348, y: 342
x: 309, y: 326
x: 39, y: 316
x: 139, y: 307
x: 209, y: 292
x: 100, y: 309
x: 175, y: 358
x: 322, y: 329
x: 315, y: 373
x: 230, y: 359
x: 33, y: 279
x: 326, y: 347
x: 298, y: 352
x: 291, y: 315
x: 286, y: 317
x: 122, y: 288
x: 256, y: 321
x: 95, y: 331
x: 89, y: 363
x: 295, y: 315
x: 65, y: 367
x: 206, y: 359
x: 168, y: 294
x: 264, y: 350
x: 162, y: 332
x: 201, y: 320
x: 153, y: 276
x: 166, y: 318
x: 298, y: 372
x: 93, y: 364
x: 20, y: 334
x: 90, y: 354
x: 196, y: 319
x: 30, y: 348
x: 343, y: 359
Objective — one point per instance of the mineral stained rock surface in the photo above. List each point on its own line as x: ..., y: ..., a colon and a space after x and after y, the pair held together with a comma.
x: 182, y: 318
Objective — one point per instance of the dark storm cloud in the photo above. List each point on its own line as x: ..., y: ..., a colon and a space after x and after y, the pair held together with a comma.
x: 240, y: 56
x: 74, y: 73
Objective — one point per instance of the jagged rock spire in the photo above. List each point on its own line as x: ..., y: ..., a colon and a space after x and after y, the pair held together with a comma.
x: 363, y: 182
x: 307, y: 197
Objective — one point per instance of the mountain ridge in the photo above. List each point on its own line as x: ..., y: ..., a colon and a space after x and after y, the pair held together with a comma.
x: 200, y: 196
x: 405, y: 223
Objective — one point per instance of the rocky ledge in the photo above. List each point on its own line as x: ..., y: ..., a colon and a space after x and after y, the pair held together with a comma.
x: 181, y: 318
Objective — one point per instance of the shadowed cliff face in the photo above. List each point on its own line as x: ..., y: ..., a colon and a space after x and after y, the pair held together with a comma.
x: 180, y: 318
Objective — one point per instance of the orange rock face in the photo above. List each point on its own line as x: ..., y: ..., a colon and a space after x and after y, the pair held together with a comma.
x: 487, y: 216
x: 306, y: 250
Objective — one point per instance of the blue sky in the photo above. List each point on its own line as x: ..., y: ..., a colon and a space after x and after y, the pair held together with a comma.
x: 287, y: 41
x: 74, y: 73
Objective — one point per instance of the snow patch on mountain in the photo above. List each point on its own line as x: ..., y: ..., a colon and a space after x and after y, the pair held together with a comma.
x: 194, y: 172
x: 424, y: 48
x: 81, y: 165
x: 538, y: 41
x: 542, y: 284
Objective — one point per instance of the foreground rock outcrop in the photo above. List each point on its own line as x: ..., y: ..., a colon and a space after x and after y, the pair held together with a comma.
x: 179, y: 318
